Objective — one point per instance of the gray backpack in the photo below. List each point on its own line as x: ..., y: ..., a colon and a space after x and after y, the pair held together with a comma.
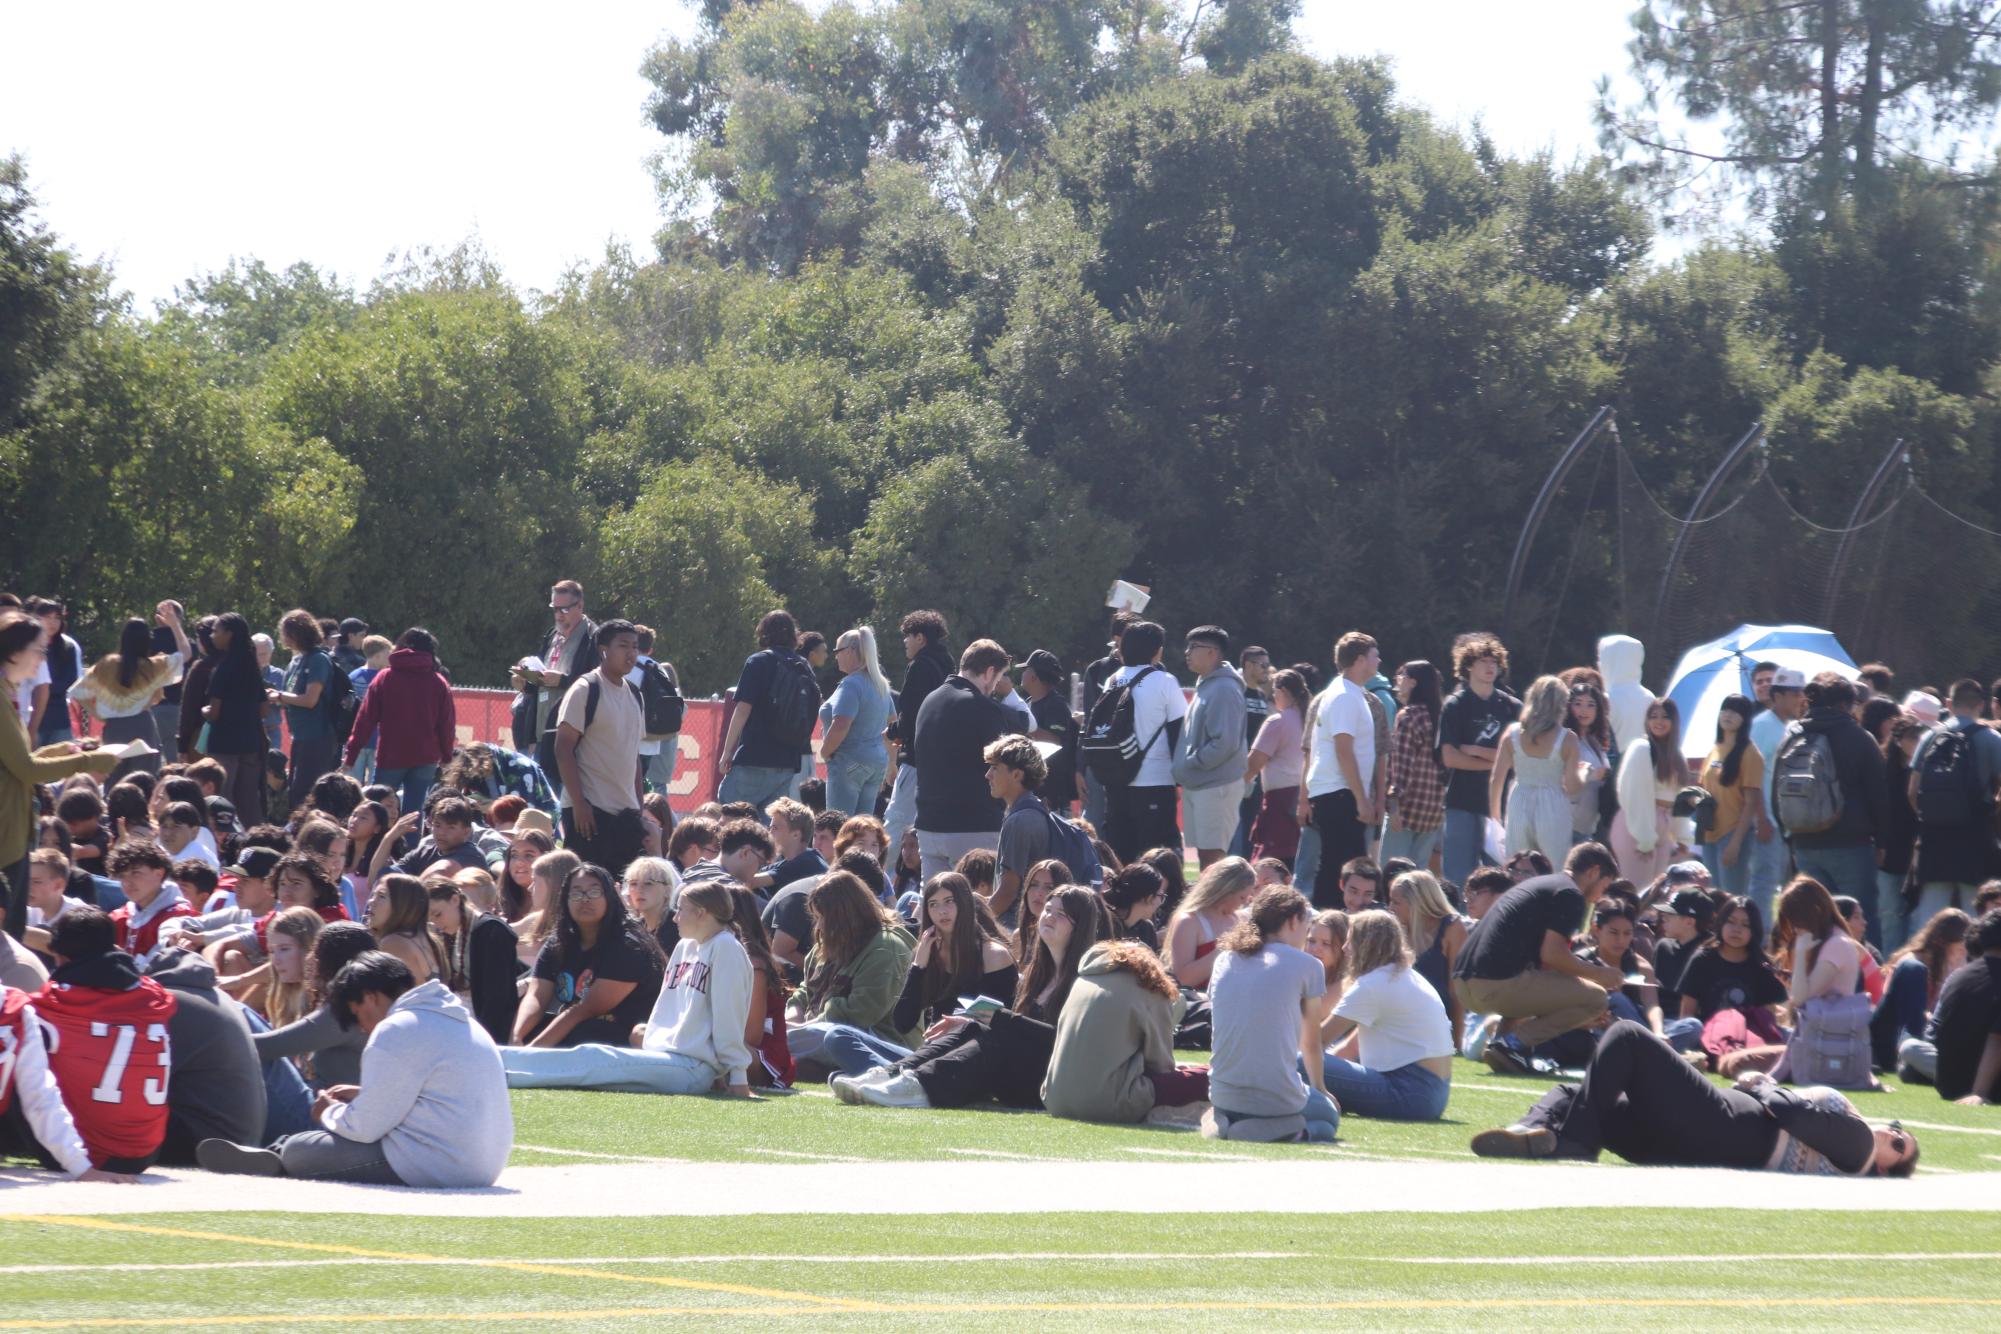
x: 1806, y: 792
x: 1830, y: 1045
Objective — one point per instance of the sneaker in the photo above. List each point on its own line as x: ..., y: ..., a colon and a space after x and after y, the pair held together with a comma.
x: 1507, y: 1056
x: 1188, y: 1115
x: 901, y: 1090
x: 221, y: 1156
x: 1516, y: 1142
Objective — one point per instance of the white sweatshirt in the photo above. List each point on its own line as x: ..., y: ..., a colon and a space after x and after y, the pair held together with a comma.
x: 704, y: 1005
x: 41, y: 1100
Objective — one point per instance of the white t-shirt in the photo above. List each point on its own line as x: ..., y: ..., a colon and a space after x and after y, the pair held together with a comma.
x: 24, y: 695
x: 1157, y: 701
x: 1344, y: 711
x: 1400, y: 1018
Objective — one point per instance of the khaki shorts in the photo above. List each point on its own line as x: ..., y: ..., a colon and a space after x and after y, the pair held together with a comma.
x: 1209, y: 814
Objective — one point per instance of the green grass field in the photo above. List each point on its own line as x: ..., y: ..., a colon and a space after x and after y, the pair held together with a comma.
x: 1550, y: 1268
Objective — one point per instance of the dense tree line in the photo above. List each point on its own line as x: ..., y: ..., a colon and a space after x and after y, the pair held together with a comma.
x: 979, y: 304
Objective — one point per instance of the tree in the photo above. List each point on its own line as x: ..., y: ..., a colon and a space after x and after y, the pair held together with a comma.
x: 47, y: 296
x: 1818, y: 96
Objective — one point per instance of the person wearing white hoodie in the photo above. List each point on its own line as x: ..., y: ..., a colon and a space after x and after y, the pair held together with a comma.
x: 693, y: 1043
x: 431, y: 1109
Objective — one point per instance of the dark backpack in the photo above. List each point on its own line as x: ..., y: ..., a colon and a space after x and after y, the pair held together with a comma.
x: 1111, y: 744
x: 661, y: 699
x: 1806, y: 788
x: 794, y: 701
x: 1949, y: 790
x: 1073, y: 847
x: 340, y: 702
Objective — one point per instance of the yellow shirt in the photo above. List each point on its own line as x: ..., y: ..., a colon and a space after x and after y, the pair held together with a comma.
x: 1730, y: 799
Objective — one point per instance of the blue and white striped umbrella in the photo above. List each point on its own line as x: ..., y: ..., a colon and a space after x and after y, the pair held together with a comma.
x: 1710, y: 673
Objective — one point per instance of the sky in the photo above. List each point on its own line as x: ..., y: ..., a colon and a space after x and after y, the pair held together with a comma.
x: 169, y: 139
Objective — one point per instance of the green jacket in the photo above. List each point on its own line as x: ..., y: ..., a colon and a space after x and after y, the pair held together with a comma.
x: 864, y: 993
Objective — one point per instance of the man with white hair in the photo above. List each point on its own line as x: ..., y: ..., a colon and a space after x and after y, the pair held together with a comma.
x: 274, y: 678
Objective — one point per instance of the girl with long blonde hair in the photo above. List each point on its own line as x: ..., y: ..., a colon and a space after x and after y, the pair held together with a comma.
x: 1404, y: 1038
x: 1206, y: 913
x: 1542, y: 755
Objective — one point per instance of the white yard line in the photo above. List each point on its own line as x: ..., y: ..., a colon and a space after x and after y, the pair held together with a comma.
x: 813, y: 1157
x: 1004, y: 1155
x: 1842, y: 1257
x: 606, y: 1157
x: 1312, y: 1180
x: 1191, y: 1153
x: 1123, y: 1257
x: 1938, y: 1125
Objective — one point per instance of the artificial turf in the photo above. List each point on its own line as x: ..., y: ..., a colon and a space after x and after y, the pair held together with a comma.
x: 1703, y: 1268
x: 809, y: 1124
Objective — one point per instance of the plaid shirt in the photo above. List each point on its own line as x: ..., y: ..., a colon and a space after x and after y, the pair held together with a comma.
x: 1417, y: 779
x: 515, y: 774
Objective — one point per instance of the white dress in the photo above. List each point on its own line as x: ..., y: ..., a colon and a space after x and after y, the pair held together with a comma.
x: 1538, y: 807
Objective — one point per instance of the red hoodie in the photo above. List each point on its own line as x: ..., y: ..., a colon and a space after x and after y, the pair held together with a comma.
x: 411, y: 704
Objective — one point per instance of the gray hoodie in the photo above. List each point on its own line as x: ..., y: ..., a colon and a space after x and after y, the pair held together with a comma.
x: 1213, y: 747
x: 433, y: 1092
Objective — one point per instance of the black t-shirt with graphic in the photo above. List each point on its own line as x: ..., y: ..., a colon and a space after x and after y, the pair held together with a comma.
x: 1468, y: 720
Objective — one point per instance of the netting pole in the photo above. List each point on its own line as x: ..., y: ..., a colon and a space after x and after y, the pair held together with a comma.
x: 1738, y: 451
x: 1544, y: 499
x: 1897, y: 458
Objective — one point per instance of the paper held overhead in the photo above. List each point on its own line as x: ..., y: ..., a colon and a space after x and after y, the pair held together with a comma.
x: 1128, y: 597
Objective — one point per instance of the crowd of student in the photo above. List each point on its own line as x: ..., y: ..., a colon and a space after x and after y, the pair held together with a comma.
x: 336, y: 966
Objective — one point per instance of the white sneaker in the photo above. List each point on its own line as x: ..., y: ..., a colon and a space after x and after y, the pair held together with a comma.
x: 902, y: 1090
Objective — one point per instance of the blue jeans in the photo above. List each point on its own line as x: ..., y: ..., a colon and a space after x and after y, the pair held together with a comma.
x: 1323, y: 1119
x: 1851, y: 871
x: 1306, y: 862
x: 288, y: 1103
x: 660, y: 767
x: 1094, y: 801
x: 596, y: 1066
x: 1890, y: 904
x: 1465, y: 844
x: 1731, y: 879
x: 852, y: 784
x: 1768, y: 871
x: 1414, y: 844
x: 412, y: 784
x: 850, y: 1050
x: 56, y: 726
x: 1683, y: 1034
x: 363, y: 766
x: 900, y: 816
x: 756, y: 784
x: 1408, y: 1093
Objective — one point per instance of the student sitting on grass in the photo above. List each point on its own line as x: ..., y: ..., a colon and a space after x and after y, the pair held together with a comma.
x: 324, y: 1052
x: 1405, y: 1072
x: 1435, y: 934
x: 431, y: 1108
x: 1645, y: 1103
x: 771, y: 1064
x: 1206, y: 915
x: 597, y: 976
x: 1264, y: 993
x: 1821, y: 960
x: 1003, y: 1055
x: 1730, y: 986
x: 1612, y: 925
x: 1962, y: 1058
x: 535, y: 929
x: 693, y: 1042
x: 1114, y: 1053
x: 1043, y: 879
x: 479, y: 956
x: 1918, y: 972
x: 399, y: 913
x: 1133, y: 894
x: 853, y: 973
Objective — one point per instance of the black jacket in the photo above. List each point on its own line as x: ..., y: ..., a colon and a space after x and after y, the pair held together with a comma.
x: 528, y: 705
x: 217, y: 1085
x: 1858, y: 765
x: 491, y: 967
x: 928, y: 671
x: 954, y: 728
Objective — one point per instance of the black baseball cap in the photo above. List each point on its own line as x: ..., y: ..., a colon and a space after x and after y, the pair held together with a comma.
x: 255, y: 863
x: 1686, y: 903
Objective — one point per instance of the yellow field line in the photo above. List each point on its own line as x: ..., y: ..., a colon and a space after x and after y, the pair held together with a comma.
x: 512, y: 1266
x: 1007, y: 1308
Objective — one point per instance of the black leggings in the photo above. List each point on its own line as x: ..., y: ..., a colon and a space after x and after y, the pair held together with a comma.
x: 1645, y: 1103
x: 1005, y: 1061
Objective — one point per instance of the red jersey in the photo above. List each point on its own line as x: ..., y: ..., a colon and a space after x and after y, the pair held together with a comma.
x: 110, y: 1054
x: 141, y: 940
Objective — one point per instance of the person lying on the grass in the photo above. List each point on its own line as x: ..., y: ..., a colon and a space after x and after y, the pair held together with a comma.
x: 853, y: 973
x: 693, y: 1042
x: 1114, y: 1053
x: 44, y: 1129
x: 1405, y: 1071
x: 597, y: 975
x: 1002, y: 1055
x: 1730, y: 986
x: 1642, y: 1101
x: 1517, y: 963
x: 1963, y: 1056
x: 431, y: 1109
x: 1264, y: 994
x: 324, y: 1052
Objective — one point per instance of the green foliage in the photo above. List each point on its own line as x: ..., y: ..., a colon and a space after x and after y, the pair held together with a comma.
x: 46, y: 295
